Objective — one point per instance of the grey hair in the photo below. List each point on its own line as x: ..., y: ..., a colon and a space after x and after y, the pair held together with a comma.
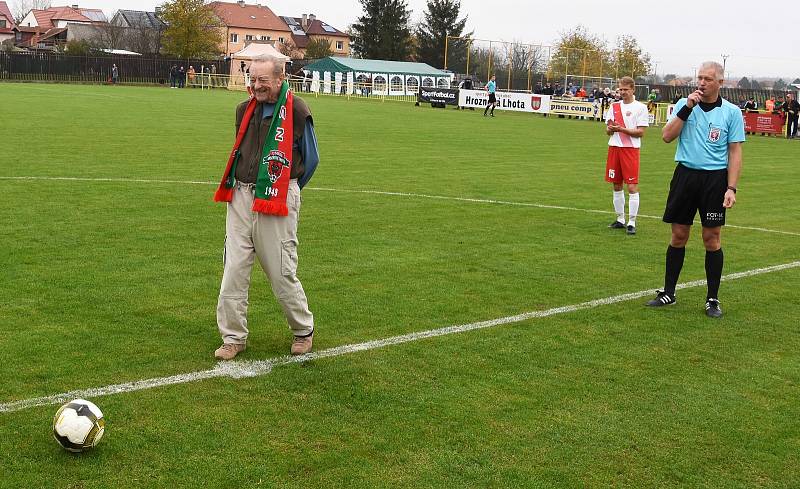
x: 278, y: 65
x: 719, y: 71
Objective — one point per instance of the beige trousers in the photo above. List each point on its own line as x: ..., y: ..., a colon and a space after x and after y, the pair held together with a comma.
x: 273, y: 240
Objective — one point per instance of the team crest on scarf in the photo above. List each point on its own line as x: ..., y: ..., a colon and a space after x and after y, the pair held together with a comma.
x: 714, y: 134
x: 276, y: 161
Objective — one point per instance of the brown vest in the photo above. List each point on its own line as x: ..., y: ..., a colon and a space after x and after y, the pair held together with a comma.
x: 252, y: 144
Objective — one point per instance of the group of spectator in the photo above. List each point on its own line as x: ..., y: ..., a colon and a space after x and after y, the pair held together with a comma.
x: 577, y: 91
x: 787, y: 106
x: 205, y: 76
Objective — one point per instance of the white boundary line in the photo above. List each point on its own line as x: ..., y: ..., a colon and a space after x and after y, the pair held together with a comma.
x: 253, y: 368
x: 394, y: 194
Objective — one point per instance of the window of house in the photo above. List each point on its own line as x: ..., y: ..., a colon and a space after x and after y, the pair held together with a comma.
x: 264, y: 38
x: 248, y: 37
x: 280, y: 39
x: 234, y: 37
x: 3, y: 24
x: 340, y: 45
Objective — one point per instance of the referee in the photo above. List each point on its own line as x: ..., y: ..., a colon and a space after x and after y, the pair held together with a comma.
x: 491, y: 87
x: 710, y: 134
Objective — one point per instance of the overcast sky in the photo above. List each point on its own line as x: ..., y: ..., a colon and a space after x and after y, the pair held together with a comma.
x: 759, y: 41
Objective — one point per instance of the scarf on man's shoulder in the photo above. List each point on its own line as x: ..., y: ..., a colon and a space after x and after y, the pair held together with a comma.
x: 272, y: 183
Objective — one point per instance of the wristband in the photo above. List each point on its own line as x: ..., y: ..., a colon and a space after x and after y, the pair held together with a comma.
x: 684, y: 113
x: 731, y: 187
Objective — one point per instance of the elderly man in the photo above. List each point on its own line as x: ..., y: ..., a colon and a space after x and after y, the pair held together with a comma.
x: 709, y: 160
x: 274, y: 156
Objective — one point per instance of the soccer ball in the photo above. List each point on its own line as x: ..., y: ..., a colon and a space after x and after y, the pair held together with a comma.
x: 78, y: 425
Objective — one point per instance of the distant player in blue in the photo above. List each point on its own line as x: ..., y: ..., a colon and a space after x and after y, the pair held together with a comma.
x: 491, y: 87
x: 709, y: 157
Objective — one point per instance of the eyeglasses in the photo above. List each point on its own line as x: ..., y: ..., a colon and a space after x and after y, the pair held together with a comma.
x: 261, y: 79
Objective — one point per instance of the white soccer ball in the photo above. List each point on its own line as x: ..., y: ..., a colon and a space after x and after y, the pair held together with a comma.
x: 78, y: 425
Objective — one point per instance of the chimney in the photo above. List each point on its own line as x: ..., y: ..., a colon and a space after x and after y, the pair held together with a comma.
x: 304, y: 21
x: 311, y: 18
x: 75, y: 6
x: 241, y: 3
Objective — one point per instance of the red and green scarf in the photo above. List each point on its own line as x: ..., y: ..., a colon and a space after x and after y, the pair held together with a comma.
x: 275, y: 168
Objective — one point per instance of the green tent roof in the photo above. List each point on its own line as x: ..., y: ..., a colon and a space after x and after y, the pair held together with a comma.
x: 336, y: 64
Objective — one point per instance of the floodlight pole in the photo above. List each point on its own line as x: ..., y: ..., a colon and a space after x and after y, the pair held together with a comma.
x: 510, y: 60
x: 469, y: 48
x: 446, y: 42
x: 489, y: 70
x: 724, y: 61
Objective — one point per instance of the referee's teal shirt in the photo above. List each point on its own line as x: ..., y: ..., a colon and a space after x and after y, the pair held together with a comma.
x: 703, y: 142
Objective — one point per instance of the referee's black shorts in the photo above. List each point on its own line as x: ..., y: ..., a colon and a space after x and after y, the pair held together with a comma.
x: 492, y: 98
x: 697, y: 190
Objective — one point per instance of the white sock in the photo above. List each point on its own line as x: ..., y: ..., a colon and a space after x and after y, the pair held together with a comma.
x: 619, y: 205
x: 633, y: 208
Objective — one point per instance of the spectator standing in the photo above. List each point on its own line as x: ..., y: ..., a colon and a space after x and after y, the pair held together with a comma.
x: 114, y: 74
x: 792, y: 108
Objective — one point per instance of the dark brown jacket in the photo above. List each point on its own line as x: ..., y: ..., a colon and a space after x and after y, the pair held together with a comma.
x: 252, y: 144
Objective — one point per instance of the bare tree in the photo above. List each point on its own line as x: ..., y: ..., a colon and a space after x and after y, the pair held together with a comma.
x: 144, y: 39
x: 20, y: 8
x: 111, y: 36
x: 289, y: 48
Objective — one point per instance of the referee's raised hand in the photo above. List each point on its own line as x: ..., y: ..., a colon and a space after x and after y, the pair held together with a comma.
x: 694, y: 98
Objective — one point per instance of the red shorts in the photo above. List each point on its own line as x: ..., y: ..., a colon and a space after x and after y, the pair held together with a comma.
x: 622, y: 165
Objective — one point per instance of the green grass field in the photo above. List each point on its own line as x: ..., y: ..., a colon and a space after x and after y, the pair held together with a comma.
x: 110, y: 258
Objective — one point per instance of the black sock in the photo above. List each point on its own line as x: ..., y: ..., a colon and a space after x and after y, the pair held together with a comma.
x: 714, y: 261
x: 673, y: 268
x: 486, y: 110
x: 492, y: 111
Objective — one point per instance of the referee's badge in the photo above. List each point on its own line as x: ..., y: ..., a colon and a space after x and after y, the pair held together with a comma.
x: 713, y: 134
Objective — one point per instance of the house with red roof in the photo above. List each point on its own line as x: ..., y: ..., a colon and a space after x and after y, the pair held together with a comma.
x: 6, y: 22
x: 243, y: 23
x: 309, y: 27
x: 61, y: 16
x: 46, y: 28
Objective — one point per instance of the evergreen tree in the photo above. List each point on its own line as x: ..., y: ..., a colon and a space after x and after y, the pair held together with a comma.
x: 383, y: 31
x: 318, y: 48
x: 779, y: 84
x: 193, y: 29
x: 440, y: 21
x: 743, y: 83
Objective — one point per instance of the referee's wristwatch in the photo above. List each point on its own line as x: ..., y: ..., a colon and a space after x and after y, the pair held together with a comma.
x: 731, y: 187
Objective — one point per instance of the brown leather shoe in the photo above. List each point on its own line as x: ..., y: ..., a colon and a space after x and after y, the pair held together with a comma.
x: 302, y: 344
x: 229, y: 350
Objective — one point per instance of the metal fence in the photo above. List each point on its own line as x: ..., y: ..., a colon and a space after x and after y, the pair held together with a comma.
x: 55, y: 67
